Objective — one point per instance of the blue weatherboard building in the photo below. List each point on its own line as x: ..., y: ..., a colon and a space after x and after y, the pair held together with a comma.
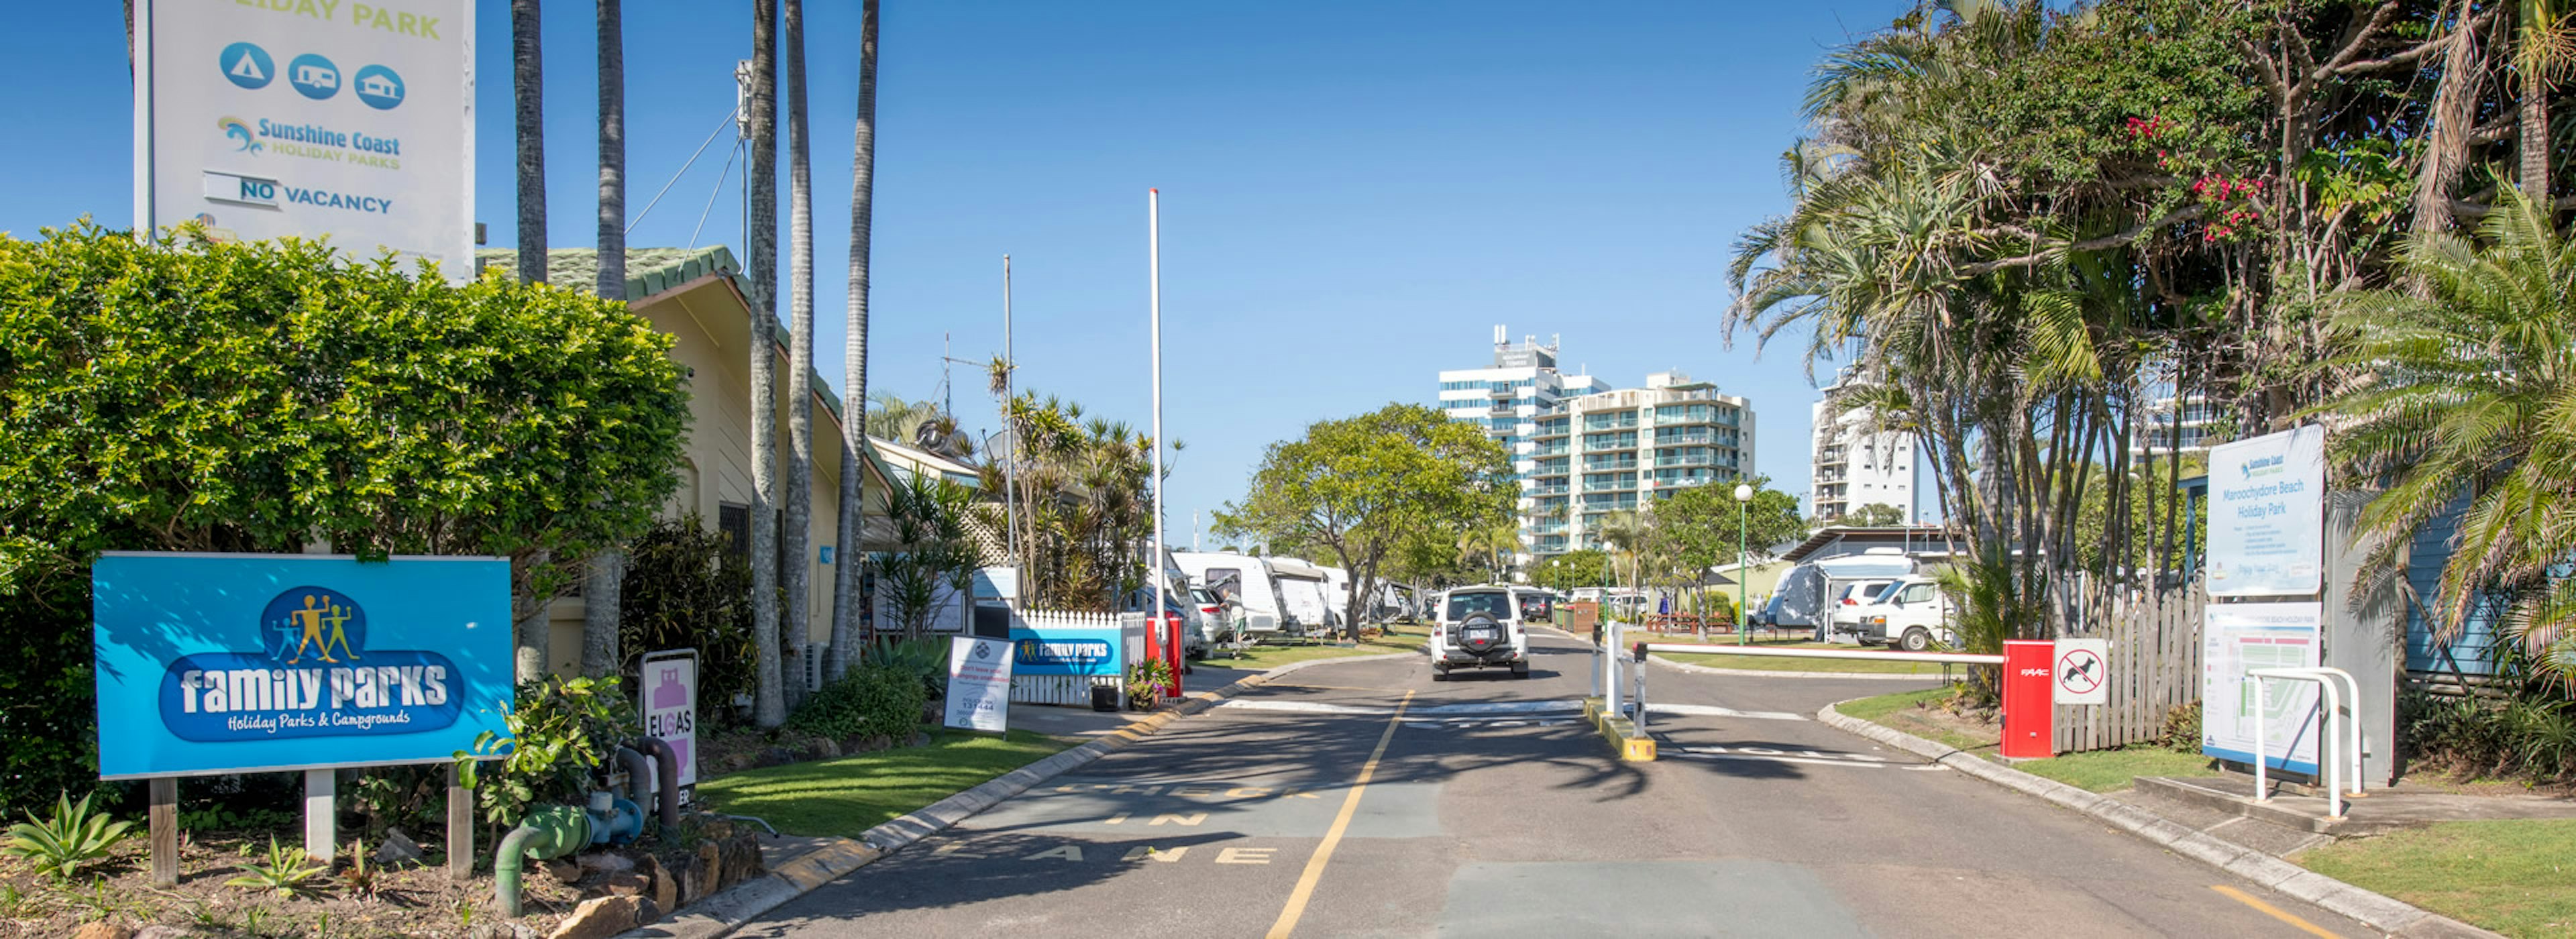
x: 216, y: 663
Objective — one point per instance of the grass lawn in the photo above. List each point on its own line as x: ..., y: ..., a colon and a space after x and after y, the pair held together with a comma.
x: 2109, y: 770
x: 853, y: 794
x: 1768, y: 663
x: 1903, y: 711
x: 2508, y: 876
x: 1396, y: 639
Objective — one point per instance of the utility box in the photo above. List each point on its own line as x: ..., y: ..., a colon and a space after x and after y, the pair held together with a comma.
x: 1582, y: 618
x: 2030, y: 699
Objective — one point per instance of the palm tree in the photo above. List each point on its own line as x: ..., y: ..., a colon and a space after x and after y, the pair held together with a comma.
x: 527, y: 92
x: 2543, y: 47
x: 527, y: 81
x: 845, y: 580
x: 2472, y: 395
x: 769, y: 703
x: 796, y: 566
x: 600, y: 600
x: 1626, y: 532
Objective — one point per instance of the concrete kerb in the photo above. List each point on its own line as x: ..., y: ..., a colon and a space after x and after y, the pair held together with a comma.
x: 2377, y: 911
x: 725, y: 912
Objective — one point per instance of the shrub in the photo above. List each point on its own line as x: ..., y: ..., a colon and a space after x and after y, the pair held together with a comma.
x: 560, y: 733
x: 2181, y: 732
x: 2529, y: 736
x: 925, y: 659
x: 284, y: 872
x: 870, y: 701
x: 57, y: 846
x: 686, y: 588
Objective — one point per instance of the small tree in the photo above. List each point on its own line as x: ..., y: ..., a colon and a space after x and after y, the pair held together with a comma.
x: 937, y: 565
x: 1369, y: 486
x: 1873, y: 515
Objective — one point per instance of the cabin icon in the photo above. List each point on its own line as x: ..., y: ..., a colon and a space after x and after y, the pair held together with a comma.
x: 379, y: 86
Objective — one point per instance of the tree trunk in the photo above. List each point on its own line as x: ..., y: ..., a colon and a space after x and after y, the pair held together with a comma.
x: 2534, y: 145
x: 769, y: 704
x: 601, y: 603
x: 798, y: 567
x: 529, y: 626
x: 527, y: 81
x: 2455, y: 100
x: 854, y: 350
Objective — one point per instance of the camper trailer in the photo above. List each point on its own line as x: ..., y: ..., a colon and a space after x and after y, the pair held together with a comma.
x: 1337, y: 594
x: 1244, y: 585
x: 1808, y: 593
x: 1302, y: 587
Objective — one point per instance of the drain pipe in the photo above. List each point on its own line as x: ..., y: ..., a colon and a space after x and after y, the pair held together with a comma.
x: 549, y: 832
x: 666, y: 788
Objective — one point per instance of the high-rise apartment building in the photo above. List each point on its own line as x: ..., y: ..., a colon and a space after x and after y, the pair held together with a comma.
x: 1582, y: 451
x: 1855, y: 467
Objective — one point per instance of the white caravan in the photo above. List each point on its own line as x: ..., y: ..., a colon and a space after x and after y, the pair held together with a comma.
x: 1244, y: 584
x: 1337, y: 594
x: 1302, y: 588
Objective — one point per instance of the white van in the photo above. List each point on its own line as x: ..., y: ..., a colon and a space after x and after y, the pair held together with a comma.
x: 1302, y: 590
x: 1244, y: 585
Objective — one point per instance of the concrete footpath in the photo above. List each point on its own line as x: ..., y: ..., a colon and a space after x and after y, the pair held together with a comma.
x: 809, y: 863
x: 2380, y: 912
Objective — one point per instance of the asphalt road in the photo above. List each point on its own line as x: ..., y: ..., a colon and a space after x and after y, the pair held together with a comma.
x: 1363, y: 799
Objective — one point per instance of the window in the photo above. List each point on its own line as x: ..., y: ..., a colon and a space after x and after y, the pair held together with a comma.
x: 1918, y: 593
x: 1492, y: 603
x: 733, y: 521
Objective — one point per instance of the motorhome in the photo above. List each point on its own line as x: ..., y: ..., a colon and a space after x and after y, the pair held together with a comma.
x: 1244, y: 584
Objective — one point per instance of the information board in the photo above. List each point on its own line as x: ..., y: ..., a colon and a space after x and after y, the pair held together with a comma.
x: 234, y: 663
x: 2236, y: 637
x: 1066, y: 651
x: 2267, y: 515
x: 979, y: 684
x: 353, y: 121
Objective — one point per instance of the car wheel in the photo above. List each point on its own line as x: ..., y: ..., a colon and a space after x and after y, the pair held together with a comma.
x: 1917, y: 640
x: 1520, y: 671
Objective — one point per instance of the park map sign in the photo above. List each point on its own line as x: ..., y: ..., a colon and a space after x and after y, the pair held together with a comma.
x: 232, y: 663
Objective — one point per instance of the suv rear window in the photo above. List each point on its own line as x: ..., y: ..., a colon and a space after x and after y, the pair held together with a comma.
x: 1494, y: 603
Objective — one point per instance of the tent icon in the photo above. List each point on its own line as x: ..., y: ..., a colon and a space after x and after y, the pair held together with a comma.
x: 247, y: 69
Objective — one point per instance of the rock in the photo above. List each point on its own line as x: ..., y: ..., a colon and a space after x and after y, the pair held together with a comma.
x: 690, y: 876
x: 717, y: 829
x: 104, y: 930
x: 711, y: 866
x: 742, y: 860
x: 774, y: 756
x: 604, y: 862
x: 627, y: 884
x: 162, y: 932
x: 563, y: 871
x: 603, y: 917
x: 399, y: 850
x: 666, y: 889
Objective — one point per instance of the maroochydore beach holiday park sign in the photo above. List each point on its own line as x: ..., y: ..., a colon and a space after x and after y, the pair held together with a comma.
x: 228, y: 663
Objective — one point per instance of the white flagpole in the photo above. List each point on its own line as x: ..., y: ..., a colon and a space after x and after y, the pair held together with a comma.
x: 1154, y: 271
x: 1152, y: 227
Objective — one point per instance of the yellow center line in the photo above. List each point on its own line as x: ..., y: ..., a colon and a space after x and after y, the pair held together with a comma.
x: 1324, y: 852
x: 2272, y: 911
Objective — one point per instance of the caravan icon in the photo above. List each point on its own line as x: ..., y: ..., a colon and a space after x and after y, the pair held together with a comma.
x: 379, y: 87
x: 313, y: 76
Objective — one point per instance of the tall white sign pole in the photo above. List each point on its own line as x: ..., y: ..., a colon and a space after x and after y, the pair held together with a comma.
x: 1010, y: 460
x: 1154, y: 270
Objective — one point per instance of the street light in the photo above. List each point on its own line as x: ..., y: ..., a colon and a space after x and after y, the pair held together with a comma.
x: 1743, y: 510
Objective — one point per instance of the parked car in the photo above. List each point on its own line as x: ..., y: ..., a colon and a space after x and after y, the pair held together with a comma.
x: 1912, y: 614
x: 1479, y: 628
x: 1194, y: 622
x: 1844, y: 614
x: 1536, y: 605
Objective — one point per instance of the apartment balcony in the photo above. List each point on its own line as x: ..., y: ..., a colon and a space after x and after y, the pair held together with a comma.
x: 1670, y: 461
x: 1685, y: 437
x: 1556, y: 489
x: 1622, y: 421
x: 1599, y: 466
x: 1548, y: 528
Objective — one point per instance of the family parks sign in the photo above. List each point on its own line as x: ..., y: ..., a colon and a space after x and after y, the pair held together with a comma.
x: 231, y: 663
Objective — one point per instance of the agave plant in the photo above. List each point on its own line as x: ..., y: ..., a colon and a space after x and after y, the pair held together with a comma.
x: 56, y: 847
x: 285, y: 871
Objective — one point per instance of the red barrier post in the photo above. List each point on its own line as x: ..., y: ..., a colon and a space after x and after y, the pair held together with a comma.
x: 2030, y: 699
x: 1175, y: 651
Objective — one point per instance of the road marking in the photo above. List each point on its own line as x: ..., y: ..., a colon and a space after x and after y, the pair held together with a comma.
x: 1067, y: 852
x: 1190, y: 819
x: 1305, y: 891
x: 1815, y: 757
x: 1710, y: 710
x: 1486, y: 707
x: 1245, y: 855
x: 2271, y: 911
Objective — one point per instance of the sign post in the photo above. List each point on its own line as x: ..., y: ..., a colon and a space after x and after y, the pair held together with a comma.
x: 670, y: 687
x: 979, y: 684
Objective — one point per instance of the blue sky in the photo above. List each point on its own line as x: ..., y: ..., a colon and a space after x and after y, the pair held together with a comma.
x: 1354, y: 193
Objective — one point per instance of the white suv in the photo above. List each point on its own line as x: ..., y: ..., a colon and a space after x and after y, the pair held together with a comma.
x: 1478, y: 627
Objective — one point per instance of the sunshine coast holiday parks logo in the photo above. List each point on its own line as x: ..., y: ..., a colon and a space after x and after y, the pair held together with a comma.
x: 312, y: 675
x: 239, y: 132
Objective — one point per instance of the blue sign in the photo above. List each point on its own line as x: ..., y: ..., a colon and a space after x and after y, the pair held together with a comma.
x: 313, y: 76
x: 227, y: 663
x: 379, y: 87
x: 247, y: 65
x: 1065, y: 651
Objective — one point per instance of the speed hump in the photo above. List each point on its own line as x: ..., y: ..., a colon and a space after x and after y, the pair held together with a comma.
x: 2083, y: 671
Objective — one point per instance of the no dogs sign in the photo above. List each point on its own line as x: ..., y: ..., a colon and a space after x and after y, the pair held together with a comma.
x: 2083, y: 671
